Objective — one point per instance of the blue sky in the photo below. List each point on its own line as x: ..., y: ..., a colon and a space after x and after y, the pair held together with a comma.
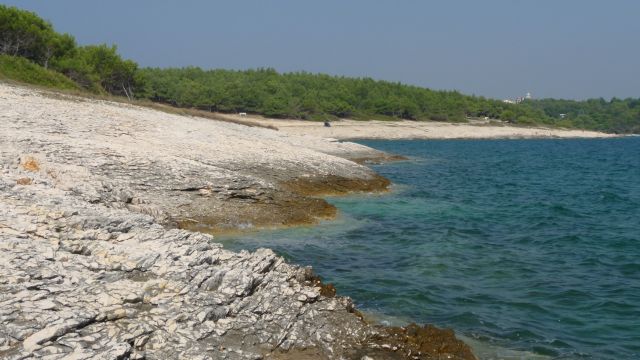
x: 496, y: 48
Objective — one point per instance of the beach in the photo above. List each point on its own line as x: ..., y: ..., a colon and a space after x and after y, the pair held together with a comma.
x: 404, y: 129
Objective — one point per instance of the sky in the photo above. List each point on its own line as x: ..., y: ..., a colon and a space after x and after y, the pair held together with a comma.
x: 572, y: 49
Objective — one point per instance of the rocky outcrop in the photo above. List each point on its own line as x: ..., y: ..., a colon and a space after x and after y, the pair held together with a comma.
x: 85, y: 280
x: 93, y: 267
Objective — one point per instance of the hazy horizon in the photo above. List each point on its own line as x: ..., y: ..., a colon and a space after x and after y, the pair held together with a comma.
x: 498, y: 48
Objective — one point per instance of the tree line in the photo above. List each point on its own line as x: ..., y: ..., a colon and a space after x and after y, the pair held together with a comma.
x: 307, y: 96
x: 302, y: 95
x: 615, y: 116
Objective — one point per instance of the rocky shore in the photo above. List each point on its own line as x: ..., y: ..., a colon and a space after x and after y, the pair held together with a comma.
x: 105, y: 210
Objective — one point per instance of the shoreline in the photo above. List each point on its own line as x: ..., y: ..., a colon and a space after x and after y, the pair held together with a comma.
x: 345, y: 129
x: 93, y: 191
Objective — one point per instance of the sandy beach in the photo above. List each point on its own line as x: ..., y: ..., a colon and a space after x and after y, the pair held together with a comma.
x: 397, y: 130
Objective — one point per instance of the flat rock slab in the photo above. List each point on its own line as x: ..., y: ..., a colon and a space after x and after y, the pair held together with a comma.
x: 175, y: 168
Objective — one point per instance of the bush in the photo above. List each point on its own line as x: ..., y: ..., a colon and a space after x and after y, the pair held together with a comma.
x: 99, y: 68
x: 439, y: 117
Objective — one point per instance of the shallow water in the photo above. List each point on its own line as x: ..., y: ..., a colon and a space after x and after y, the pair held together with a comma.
x: 525, y: 247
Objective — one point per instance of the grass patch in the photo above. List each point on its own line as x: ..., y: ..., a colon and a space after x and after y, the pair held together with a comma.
x: 21, y: 70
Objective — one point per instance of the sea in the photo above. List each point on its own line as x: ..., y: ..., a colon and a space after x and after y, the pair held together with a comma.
x: 528, y: 249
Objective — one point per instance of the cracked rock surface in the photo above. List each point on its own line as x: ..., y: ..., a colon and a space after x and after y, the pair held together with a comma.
x: 87, y: 281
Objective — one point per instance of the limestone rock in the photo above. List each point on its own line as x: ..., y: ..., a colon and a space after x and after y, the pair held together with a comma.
x: 92, y: 268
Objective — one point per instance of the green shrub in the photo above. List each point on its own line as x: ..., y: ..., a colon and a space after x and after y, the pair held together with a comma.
x: 24, y: 71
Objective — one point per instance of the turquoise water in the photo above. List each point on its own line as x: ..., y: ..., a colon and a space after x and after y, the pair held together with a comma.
x: 526, y: 247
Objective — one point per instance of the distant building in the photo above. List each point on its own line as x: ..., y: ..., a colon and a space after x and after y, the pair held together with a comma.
x: 519, y: 99
x: 562, y: 116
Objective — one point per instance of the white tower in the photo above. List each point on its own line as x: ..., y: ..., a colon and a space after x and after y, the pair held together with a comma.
x: 528, y: 96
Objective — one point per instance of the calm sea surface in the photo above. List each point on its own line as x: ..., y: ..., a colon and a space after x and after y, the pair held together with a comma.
x: 527, y: 248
